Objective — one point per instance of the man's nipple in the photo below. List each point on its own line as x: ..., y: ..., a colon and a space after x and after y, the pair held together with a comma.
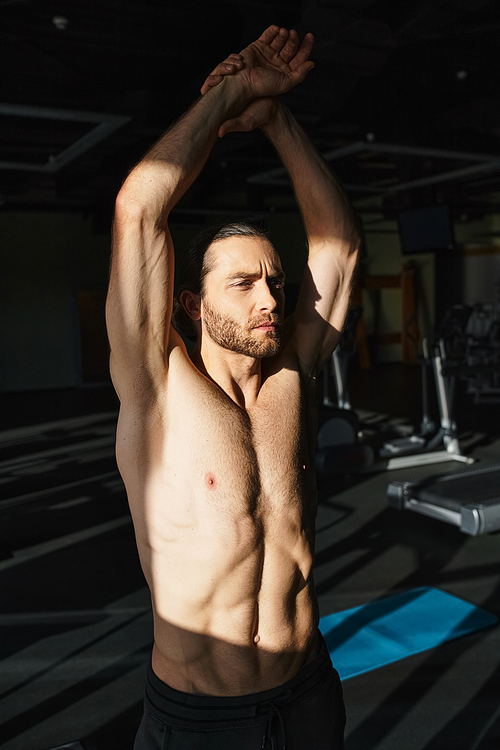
x: 210, y: 481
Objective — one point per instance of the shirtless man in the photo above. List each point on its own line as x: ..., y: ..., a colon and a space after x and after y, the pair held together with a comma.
x: 216, y: 448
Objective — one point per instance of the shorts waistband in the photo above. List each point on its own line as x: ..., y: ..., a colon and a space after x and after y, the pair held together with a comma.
x: 185, y: 710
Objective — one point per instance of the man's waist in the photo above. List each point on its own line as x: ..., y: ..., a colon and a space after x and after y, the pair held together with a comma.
x: 185, y: 709
x: 197, y: 663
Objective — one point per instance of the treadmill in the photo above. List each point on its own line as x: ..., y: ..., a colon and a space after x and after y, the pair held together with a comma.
x: 468, y: 498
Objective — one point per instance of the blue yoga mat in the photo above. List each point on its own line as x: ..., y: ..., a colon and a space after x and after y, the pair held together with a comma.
x: 381, y: 632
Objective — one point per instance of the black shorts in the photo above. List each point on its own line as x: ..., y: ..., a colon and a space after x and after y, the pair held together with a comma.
x: 306, y: 713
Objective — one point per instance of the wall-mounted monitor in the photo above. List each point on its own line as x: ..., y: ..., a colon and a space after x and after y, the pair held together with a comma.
x: 426, y: 230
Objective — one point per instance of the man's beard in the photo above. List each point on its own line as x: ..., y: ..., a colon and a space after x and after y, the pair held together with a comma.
x: 229, y: 334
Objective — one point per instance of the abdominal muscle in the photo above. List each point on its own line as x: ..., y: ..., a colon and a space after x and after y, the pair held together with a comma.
x: 234, y: 607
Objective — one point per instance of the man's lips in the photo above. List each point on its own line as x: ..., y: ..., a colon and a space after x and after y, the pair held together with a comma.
x: 268, y: 325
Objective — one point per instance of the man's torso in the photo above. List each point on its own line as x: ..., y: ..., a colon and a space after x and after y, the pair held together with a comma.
x: 223, y: 502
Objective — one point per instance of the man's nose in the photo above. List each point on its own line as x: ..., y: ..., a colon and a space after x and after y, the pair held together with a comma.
x: 266, y: 299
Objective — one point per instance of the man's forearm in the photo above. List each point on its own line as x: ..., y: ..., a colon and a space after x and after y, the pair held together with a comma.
x: 156, y: 184
x: 325, y: 208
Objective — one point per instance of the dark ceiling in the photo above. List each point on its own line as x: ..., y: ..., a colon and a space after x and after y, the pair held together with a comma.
x: 404, y: 99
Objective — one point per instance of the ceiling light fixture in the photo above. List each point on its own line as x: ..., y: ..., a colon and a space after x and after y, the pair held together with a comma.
x: 60, y: 22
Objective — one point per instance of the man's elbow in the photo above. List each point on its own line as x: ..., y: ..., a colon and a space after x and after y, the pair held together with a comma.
x: 128, y: 204
x: 147, y: 194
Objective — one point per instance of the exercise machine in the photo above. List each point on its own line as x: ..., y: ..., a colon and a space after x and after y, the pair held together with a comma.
x: 470, y: 498
x: 482, y: 354
x: 432, y: 444
x: 339, y: 449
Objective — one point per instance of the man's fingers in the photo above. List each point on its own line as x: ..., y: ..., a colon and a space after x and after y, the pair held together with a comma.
x: 300, y: 73
x: 277, y: 61
x: 290, y: 48
x: 236, y: 59
x: 302, y: 54
x: 230, y: 66
x: 212, y: 80
x: 279, y: 40
x: 226, y: 68
x: 269, y: 34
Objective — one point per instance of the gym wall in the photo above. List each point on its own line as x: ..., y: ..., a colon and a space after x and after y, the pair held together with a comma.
x: 480, y: 256
x: 47, y: 258
x: 383, y: 257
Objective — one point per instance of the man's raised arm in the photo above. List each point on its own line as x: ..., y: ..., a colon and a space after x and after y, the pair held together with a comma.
x: 330, y: 222
x: 139, y: 304
x: 333, y: 240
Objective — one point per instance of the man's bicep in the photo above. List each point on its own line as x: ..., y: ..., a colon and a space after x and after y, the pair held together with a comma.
x: 322, y: 306
x: 139, y: 303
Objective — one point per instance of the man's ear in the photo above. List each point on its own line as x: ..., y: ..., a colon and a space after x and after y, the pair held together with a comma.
x: 191, y: 303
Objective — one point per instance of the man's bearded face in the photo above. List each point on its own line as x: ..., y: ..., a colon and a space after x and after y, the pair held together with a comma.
x: 259, y: 337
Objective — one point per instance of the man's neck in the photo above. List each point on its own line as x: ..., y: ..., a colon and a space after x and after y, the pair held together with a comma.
x: 238, y: 375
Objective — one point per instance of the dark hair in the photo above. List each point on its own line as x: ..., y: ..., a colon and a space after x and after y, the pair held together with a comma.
x: 195, y: 267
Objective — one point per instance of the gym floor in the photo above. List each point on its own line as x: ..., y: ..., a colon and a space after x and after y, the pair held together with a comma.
x: 75, y: 626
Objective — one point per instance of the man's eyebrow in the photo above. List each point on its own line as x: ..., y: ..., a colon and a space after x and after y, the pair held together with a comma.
x: 247, y: 275
x: 242, y: 275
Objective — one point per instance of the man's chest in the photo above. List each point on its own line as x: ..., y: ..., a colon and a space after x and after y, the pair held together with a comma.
x: 205, y: 463
x: 265, y: 448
